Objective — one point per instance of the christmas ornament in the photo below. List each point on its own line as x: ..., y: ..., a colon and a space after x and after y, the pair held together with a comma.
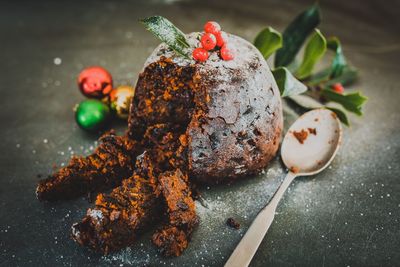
x: 95, y: 82
x: 120, y: 99
x: 92, y: 114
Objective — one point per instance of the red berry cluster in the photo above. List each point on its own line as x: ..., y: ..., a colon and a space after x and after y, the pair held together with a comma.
x: 213, y: 38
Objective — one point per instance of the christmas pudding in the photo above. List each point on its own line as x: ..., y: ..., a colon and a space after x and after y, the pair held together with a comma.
x: 210, y: 118
x: 228, y: 111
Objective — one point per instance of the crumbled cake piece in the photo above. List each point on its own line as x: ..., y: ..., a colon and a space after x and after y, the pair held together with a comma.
x: 118, y: 217
x: 111, y: 162
x: 173, y: 238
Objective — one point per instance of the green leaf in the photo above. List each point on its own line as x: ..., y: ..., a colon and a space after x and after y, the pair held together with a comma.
x: 341, y: 115
x: 353, y: 102
x: 163, y: 29
x: 348, y: 76
x: 339, y: 61
x: 295, y: 35
x: 288, y: 85
x: 338, y: 72
x: 268, y: 41
x: 308, y: 103
x: 319, y: 77
x: 315, y: 49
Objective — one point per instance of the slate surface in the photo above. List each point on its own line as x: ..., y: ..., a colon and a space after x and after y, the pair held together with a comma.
x: 346, y: 216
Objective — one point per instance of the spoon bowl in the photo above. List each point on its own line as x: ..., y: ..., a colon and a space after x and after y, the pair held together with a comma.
x: 311, y: 142
x: 309, y: 147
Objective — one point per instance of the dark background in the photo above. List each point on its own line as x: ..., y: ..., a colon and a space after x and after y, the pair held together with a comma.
x: 346, y: 216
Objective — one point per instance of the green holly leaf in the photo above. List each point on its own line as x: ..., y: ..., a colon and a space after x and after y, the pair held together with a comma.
x: 288, y: 85
x: 268, y: 41
x: 168, y: 33
x: 315, y: 49
x: 341, y: 115
x: 348, y: 76
x: 353, y: 102
x: 309, y: 103
x: 338, y: 72
x: 339, y: 61
x: 306, y: 101
x: 295, y: 35
x: 319, y: 77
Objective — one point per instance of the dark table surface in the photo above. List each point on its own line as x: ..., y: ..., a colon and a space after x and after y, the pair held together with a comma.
x: 346, y: 216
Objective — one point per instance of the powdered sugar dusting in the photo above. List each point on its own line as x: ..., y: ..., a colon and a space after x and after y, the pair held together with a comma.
x: 244, y: 53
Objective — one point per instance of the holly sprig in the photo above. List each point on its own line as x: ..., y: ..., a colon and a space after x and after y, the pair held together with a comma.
x: 168, y: 33
x: 297, y: 79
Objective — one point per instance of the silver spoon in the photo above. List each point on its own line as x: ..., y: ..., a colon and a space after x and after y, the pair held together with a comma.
x: 319, y: 135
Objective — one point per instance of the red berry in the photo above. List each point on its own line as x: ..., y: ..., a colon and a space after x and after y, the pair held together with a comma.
x: 227, y: 53
x: 338, y: 88
x: 222, y: 38
x: 212, y: 27
x: 200, y: 54
x: 208, y: 41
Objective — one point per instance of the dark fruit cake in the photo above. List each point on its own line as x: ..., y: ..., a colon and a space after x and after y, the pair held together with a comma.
x: 231, y: 109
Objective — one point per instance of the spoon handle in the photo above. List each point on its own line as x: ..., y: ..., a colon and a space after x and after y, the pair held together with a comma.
x: 248, y: 246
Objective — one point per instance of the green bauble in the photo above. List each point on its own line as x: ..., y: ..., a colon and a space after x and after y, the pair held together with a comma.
x: 92, y: 114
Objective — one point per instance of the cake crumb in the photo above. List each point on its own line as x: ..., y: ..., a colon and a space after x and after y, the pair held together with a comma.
x: 231, y: 222
x: 312, y: 131
x: 301, y: 135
